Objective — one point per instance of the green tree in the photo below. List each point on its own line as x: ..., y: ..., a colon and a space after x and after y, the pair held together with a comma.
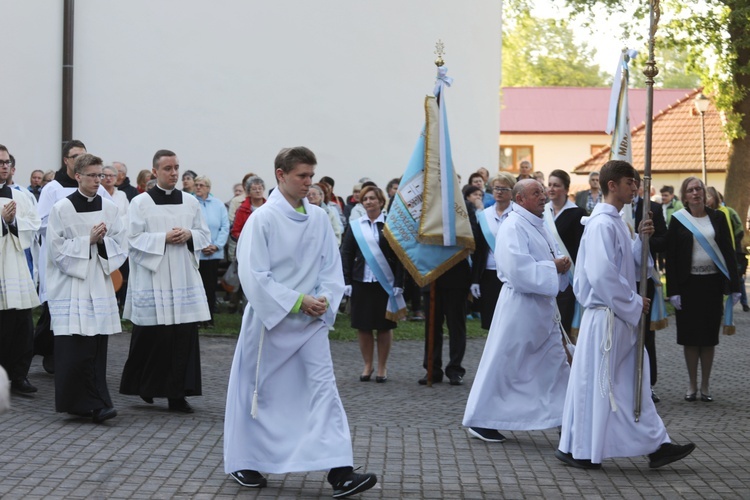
x: 715, y: 35
x: 543, y: 52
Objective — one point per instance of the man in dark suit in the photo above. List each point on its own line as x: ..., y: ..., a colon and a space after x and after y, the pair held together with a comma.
x: 657, y: 244
x: 452, y: 288
x: 588, y: 199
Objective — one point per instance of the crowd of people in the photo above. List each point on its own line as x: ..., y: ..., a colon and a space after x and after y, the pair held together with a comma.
x: 91, y: 248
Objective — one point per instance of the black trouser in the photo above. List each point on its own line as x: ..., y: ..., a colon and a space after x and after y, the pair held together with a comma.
x: 566, y: 303
x: 650, y: 339
x: 16, y: 342
x: 450, y: 306
x: 209, y: 270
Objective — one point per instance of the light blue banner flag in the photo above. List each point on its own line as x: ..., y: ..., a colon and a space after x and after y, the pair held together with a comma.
x: 428, y: 225
x: 425, y: 262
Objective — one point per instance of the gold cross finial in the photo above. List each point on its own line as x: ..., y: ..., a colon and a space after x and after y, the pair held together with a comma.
x: 439, y: 50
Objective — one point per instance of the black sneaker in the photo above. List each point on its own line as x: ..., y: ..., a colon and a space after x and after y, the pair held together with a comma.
x: 354, y: 483
x: 489, y: 435
x: 576, y: 462
x: 668, y: 453
x: 249, y: 478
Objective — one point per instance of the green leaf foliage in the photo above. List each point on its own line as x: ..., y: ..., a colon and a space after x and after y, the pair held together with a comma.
x: 543, y: 52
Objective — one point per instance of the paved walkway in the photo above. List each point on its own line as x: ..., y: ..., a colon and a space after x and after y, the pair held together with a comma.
x: 408, y: 434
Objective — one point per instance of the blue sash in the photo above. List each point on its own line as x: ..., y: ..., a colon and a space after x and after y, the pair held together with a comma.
x: 378, y: 264
x: 684, y: 217
x: 486, y: 231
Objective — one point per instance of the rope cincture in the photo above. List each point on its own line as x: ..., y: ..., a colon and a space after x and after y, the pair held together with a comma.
x: 254, y: 407
x: 605, y: 375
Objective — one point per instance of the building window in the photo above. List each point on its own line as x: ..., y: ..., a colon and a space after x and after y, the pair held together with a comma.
x: 511, y: 156
x: 595, y: 148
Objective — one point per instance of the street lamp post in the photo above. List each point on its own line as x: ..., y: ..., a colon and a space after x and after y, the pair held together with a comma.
x: 701, y: 105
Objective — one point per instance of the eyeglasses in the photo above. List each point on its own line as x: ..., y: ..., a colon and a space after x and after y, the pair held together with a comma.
x: 109, y: 176
x: 696, y: 189
x: 73, y: 157
x: 6, y: 162
x: 94, y: 176
x: 499, y: 189
x: 201, y: 185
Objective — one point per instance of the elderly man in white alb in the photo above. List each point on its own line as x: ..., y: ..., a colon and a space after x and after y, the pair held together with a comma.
x: 166, y: 299
x: 283, y: 409
x: 86, y: 242
x: 523, y: 373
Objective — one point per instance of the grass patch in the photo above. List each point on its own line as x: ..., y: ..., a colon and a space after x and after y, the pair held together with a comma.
x: 229, y: 324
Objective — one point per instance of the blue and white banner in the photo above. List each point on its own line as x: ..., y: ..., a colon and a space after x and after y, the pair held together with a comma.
x: 428, y: 225
x: 618, y: 121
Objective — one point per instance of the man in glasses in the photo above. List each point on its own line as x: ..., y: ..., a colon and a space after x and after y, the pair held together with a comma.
x: 63, y: 185
x: 86, y: 242
x: 19, y: 222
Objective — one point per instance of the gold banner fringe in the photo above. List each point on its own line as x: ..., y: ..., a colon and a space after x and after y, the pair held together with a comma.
x: 412, y: 269
x: 397, y: 316
x: 659, y: 325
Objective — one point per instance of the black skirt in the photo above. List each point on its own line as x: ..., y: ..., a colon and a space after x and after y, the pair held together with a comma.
x: 368, y: 304
x: 81, y: 373
x: 164, y: 362
x: 699, y: 320
x: 489, y: 287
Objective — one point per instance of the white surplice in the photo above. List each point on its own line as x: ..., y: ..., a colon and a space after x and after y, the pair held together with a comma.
x: 164, y: 286
x: 523, y: 373
x: 301, y: 424
x: 598, y: 420
x: 52, y: 192
x: 17, y: 290
x: 80, y: 293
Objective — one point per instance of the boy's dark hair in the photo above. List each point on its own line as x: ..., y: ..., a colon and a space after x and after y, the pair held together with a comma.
x: 288, y: 158
x: 614, y: 170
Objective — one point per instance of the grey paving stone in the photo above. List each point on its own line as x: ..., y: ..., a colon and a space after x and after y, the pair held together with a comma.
x: 410, y: 435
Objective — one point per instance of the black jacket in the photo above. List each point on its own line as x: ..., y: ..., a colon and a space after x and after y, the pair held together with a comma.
x: 130, y: 191
x: 680, y: 252
x: 353, y: 262
x: 569, y: 226
x: 657, y: 243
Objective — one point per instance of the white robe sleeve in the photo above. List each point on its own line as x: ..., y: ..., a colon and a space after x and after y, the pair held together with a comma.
x: 270, y: 300
x: 516, y: 263
x: 115, y: 243
x: 201, y: 234
x: 146, y: 248
x: 331, y: 284
x: 70, y: 255
x: 605, y: 278
x: 27, y: 219
x: 47, y: 198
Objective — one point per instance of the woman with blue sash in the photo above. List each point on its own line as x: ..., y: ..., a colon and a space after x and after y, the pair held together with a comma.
x: 701, y: 269
x: 374, y: 281
x: 486, y: 285
x: 563, y: 219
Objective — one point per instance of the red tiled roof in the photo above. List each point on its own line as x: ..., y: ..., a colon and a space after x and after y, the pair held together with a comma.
x: 572, y: 109
x: 675, y: 141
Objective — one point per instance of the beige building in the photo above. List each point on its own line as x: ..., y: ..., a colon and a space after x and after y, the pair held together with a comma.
x: 563, y: 127
x: 676, y: 146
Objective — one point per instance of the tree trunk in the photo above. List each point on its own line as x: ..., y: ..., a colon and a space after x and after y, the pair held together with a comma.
x: 737, y: 187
